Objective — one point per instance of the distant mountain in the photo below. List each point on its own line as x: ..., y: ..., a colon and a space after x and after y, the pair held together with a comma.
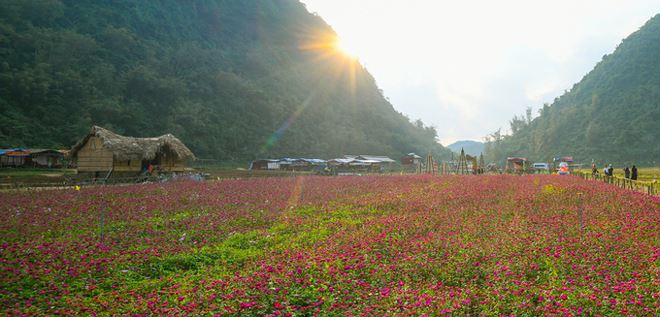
x: 612, y: 115
x: 474, y: 148
x: 234, y: 80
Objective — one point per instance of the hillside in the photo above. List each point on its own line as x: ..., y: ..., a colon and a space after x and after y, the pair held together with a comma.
x: 474, y: 148
x: 612, y: 115
x: 234, y: 80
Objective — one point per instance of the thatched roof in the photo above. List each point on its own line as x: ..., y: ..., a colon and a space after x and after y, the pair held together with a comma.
x: 126, y: 148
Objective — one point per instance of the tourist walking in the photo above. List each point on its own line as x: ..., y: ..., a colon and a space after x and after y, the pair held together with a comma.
x: 626, y: 172
x: 633, y: 175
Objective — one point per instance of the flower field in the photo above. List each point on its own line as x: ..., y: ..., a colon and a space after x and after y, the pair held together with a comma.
x: 374, y: 246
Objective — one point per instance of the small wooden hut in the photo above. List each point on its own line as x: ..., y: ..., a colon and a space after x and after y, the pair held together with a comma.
x: 46, y: 158
x: 14, y: 157
x: 411, y: 159
x: 516, y: 164
x: 265, y: 164
x: 103, y: 152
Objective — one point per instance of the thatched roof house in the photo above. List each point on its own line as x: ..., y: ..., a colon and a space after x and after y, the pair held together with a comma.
x: 102, y: 150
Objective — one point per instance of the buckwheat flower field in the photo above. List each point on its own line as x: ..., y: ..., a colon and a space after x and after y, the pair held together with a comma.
x: 356, y: 246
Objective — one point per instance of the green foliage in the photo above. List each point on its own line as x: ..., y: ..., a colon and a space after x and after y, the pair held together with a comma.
x: 612, y: 115
x: 238, y: 248
x: 233, y: 79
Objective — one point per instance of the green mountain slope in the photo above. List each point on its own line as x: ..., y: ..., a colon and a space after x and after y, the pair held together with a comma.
x: 612, y: 115
x: 234, y: 80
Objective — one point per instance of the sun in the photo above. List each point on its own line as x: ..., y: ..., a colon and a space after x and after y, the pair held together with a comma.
x: 345, y: 48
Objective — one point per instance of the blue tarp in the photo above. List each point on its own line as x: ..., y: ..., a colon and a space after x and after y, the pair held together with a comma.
x: 3, y: 151
x: 27, y: 153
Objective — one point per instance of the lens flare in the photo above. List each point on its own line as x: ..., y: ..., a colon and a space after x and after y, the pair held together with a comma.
x: 327, y: 51
x: 272, y: 140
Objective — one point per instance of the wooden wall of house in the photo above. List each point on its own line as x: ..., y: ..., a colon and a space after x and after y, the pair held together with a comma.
x: 171, y: 164
x: 128, y: 166
x: 93, y: 157
x: 6, y: 160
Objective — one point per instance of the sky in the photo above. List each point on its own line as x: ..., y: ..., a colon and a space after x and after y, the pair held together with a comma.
x: 467, y: 67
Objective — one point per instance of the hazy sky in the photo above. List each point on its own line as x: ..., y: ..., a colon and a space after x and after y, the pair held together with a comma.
x: 467, y: 67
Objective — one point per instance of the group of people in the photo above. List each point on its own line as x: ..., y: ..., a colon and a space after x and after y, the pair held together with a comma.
x: 609, y: 171
x: 630, y: 174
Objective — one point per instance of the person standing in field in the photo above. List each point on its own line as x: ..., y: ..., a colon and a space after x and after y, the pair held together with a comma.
x: 609, y: 171
x: 626, y: 172
x: 633, y: 175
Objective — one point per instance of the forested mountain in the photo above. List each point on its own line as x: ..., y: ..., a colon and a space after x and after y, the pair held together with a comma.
x: 234, y: 80
x: 474, y: 148
x: 612, y: 115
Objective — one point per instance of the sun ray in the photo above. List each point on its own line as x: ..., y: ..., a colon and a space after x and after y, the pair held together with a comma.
x: 296, y: 193
x: 324, y: 48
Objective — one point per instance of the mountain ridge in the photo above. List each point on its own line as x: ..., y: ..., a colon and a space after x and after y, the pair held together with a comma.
x: 471, y: 147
